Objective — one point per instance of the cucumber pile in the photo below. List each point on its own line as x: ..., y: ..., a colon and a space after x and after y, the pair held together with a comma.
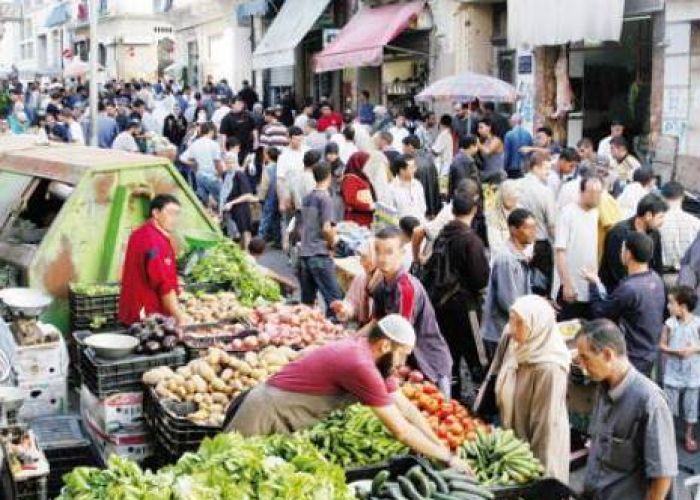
x: 499, y: 458
x: 422, y: 482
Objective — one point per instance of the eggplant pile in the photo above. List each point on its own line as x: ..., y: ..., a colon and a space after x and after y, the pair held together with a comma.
x: 156, y: 334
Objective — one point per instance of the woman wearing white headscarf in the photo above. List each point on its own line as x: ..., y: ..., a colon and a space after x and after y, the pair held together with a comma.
x: 531, y: 384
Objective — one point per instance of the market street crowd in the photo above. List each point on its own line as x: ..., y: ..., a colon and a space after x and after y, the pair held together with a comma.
x: 485, y: 238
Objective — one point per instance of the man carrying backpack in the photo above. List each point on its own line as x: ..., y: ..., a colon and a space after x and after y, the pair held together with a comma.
x: 454, y: 277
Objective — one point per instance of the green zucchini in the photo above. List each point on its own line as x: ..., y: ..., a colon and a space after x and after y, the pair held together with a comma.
x: 419, y: 480
x: 379, y: 481
x: 440, y: 482
x: 408, y: 489
x: 446, y: 496
x: 471, y: 488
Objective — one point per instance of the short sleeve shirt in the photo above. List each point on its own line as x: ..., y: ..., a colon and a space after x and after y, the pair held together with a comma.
x: 317, y: 210
x: 683, y: 372
x: 341, y: 367
x: 577, y: 234
x: 205, y: 152
x: 631, y: 439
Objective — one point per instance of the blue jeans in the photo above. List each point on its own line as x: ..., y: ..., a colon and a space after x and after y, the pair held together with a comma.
x: 317, y: 274
x: 270, y: 223
x: 208, y: 185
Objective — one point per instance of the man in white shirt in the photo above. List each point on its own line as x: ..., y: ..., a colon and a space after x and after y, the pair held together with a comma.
x: 346, y: 143
x: 617, y: 128
x: 204, y: 155
x: 643, y: 183
x: 222, y: 109
x: 576, y: 247
x: 443, y: 147
x: 289, y: 164
x: 125, y: 140
x: 679, y: 229
x: 305, y: 115
x: 399, y: 132
x: 75, y: 131
x: 406, y: 192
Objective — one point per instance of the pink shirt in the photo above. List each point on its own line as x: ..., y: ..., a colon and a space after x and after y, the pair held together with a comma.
x: 344, y: 366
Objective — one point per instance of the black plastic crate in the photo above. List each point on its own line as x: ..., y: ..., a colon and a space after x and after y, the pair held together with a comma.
x: 35, y: 488
x: 171, y: 430
x: 104, y: 377
x: 173, y: 415
x: 84, y: 308
x: 542, y: 489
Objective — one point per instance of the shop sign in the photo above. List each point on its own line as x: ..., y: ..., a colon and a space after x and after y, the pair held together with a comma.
x: 525, y: 64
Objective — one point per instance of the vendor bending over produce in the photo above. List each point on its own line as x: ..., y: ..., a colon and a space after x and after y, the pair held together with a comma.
x: 149, y: 278
x: 337, y: 375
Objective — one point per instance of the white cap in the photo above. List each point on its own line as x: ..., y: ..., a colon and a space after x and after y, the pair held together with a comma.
x: 398, y: 329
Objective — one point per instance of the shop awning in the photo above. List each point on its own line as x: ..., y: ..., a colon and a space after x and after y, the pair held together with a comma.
x: 58, y: 15
x: 361, y: 42
x: 292, y: 23
x: 536, y: 23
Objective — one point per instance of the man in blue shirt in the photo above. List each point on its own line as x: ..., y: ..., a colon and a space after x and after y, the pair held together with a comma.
x: 516, y: 138
x: 107, y: 128
x: 637, y: 304
x: 365, y: 111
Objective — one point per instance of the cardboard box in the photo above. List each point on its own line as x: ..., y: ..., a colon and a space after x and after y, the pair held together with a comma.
x: 120, y: 413
x: 135, y: 447
x: 45, y: 398
x: 40, y: 362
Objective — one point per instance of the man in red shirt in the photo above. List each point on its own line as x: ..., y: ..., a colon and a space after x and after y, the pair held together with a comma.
x: 329, y: 118
x: 149, y: 277
x: 356, y: 369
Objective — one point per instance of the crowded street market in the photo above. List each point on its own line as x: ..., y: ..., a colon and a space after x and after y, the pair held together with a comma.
x: 366, y: 250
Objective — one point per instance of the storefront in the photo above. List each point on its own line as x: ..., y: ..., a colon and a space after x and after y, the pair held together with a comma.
x: 384, y: 50
x: 578, y: 70
x: 283, y: 56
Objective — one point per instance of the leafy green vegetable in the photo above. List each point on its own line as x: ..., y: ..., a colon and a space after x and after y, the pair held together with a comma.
x: 226, y: 264
x: 354, y: 436
x: 227, y: 467
x: 94, y: 289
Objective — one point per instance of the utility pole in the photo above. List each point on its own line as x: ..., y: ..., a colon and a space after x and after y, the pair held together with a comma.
x: 93, y: 72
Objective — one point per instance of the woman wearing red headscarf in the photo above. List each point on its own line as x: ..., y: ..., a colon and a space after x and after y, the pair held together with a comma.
x: 357, y: 191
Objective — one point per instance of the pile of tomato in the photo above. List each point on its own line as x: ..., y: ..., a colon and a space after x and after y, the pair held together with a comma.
x: 448, y: 418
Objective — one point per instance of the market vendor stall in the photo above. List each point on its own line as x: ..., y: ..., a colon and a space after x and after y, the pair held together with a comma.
x: 66, y: 212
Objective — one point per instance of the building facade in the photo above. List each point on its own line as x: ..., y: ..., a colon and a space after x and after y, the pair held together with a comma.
x: 209, y: 42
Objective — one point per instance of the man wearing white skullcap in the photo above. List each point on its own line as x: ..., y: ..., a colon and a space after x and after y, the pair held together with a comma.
x: 352, y: 370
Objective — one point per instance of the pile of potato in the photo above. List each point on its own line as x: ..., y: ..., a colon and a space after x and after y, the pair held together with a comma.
x: 212, y: 381
x: 213, y: 307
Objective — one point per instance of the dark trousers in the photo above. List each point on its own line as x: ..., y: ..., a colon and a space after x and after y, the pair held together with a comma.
x: 543, y: 264
x: 514, y: 174
x: 572, y: 310
x: 456, y: 328
x: 317, y: 274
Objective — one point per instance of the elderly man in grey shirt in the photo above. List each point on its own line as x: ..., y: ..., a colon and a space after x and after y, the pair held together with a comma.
x: 633, y: 446
x: 510, y: 277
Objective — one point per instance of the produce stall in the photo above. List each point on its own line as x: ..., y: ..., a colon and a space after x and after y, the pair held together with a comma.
x: 67, y: 211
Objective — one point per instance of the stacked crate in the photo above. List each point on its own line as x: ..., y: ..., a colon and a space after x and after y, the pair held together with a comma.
x: 111, y: 401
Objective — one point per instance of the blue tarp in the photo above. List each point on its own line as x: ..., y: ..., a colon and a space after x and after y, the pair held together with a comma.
x: 58, y: 15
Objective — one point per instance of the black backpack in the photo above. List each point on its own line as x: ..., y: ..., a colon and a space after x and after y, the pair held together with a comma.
x: 438, y: 276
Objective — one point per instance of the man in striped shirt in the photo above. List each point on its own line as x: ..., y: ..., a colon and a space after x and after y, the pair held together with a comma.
x: 273, y: 132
